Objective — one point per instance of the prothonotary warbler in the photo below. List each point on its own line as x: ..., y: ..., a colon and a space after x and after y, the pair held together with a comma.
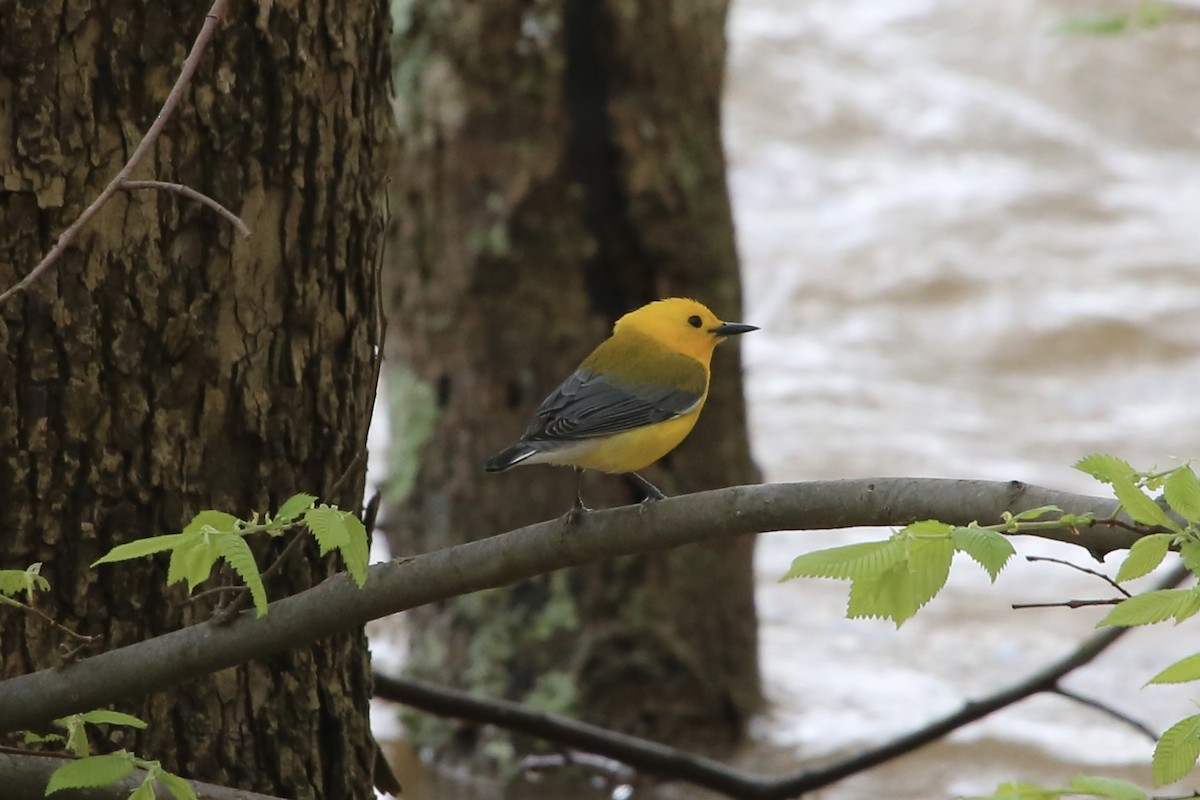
x: 633, y: 400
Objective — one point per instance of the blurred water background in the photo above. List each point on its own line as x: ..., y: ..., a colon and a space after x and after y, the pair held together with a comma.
x: 973, y: 245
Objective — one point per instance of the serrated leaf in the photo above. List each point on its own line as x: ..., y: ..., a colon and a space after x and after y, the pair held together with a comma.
x: 1189, y: 552
x: 1105, y: 468
x: 141, y: 548
x: 1106, y: 787
x: 1148, y: 608
x: 103, y: 716
x: 217, y: 521
x: 233, y: 548
x: 901, y: 591
x: 1176, y: 751
x: 849, y: 562
x: 16, y: 581
x: 1182, y: 671
x: 192, y: 561
x: 357, y: 550
x: 29, y: 737
x: 989, y: 549
x: 1182, y: 491
x: 144, y: 791
x: 1137, y: 505
x: 295, y: 505
x: 1032, y: 514
x: 91, y: 771
x: 179, y: 788
x: 1145, y: 555
x: 328, y: 528
x: 1188, y: 608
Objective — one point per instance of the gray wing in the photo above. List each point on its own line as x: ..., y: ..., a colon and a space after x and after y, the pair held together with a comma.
x: 589, y: 404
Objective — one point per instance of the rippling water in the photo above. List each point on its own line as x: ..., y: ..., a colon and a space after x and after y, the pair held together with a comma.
x: 974, y: 246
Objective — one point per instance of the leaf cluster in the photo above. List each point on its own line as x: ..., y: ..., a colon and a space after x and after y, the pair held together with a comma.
x: 89, y: 771
x: 214, y: 536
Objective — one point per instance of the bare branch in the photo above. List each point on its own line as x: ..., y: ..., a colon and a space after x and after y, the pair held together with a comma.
x: 25, y: 777
x: 156, y: 128
x: 1104, y: 708
x: 1085, y: 570
x: 1112, y: 601
x: 191, y: 194
x: 337, y: 604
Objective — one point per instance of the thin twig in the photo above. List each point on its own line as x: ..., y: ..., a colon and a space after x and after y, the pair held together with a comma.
x: 241, y: 601
x: 192, y: 194
x: 186, y: 72
x: 1103, y: 708
x: 1069, y: 604
x: 83, y: 641
x: 1074, y: 566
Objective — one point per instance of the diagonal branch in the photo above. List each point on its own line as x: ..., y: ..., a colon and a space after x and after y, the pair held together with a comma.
x: 191, y: 194
x: 667, y: 762
x: 156, y: 128
x: 338, y: 605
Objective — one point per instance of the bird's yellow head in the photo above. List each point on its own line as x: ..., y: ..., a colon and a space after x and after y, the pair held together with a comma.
x: 685, y: 326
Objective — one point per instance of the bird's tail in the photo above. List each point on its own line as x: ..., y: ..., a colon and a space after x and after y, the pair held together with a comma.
x: 510, y: 457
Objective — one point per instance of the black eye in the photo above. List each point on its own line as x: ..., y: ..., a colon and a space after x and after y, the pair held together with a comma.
x: 695, y: 321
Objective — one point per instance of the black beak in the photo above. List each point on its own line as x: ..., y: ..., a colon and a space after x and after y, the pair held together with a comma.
x: 732, y: 329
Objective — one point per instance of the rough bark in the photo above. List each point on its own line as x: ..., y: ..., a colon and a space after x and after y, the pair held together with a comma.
x: 563, y: 165
x: 167, y: 366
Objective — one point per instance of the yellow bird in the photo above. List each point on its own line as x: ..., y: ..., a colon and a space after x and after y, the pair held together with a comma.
x: 633, y: 400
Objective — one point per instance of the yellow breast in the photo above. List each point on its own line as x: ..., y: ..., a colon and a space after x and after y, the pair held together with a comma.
x: 630, y: 451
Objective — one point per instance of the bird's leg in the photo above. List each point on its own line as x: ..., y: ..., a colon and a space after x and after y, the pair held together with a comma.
x: 578, y: 509
x: 653, y: 493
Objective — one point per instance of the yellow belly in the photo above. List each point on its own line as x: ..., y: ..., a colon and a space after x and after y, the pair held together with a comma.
x: 625, y: 452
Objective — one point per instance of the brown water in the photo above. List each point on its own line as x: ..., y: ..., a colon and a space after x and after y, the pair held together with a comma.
x: 974, y: 249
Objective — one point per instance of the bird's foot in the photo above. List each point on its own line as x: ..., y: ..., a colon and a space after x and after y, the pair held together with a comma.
x: 653, y: 493
x: 576, y: 512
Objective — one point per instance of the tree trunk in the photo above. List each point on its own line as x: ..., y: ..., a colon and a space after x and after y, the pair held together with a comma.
x: 168, y: 366
x: 563, y: 165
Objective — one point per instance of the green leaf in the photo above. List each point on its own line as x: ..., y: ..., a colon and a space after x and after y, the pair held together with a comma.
x: 1177, y: 750
x: 1106, y: 787
x: 357, y: 551
x: 926, y: 527
x: 1033, y: 514
x: 192, y: 561
x: 233, y: 548
x: 295, y: 505
x: 901, y: 591
x: 850, y: 562
x: 328, y: 527
x: 212, y: 521
x: 1137, y: 505
x: 77, y: 741
x: 1182, y: 671
x: 1149, y: 608
x: 1190, y: 553
x: 1182, y: 491
x: 28, y: 580
x: 1023, y: 791
x: 102, y: 716
x: 1105, y: 468
x: 179, y: 788
x: 987, y: 548
x: 29, y: 737
x: 91, y: 771
x: 142, y: 547
x: 1145, y: 555
x: 144, y: 791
